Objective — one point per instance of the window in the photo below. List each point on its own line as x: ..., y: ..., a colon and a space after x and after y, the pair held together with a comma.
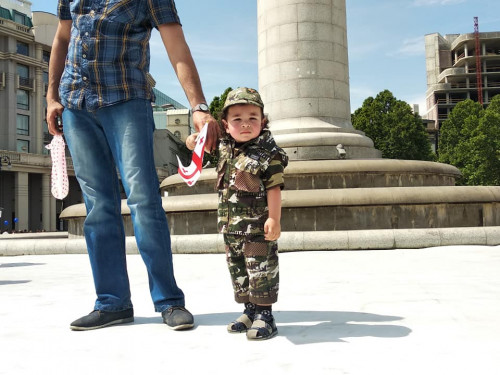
x: 24, y: 75
x: 23, y: 125
x: 46, y: 56
x: 5, y: 13
x: 23, y: 71
x: 23, y: 146
x: 23, y: 48
x: 46, y: 80
x: 22, y: 18
x: 23, y: 100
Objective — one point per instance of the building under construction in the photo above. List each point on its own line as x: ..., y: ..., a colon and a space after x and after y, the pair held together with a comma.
x: 460, y: 67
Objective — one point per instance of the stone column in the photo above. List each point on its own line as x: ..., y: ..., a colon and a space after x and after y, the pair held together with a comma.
x: 22, y: 199
x: 39, y: 94
x: 53, y: 213
x: 304, y: 78
x: 46, y: 203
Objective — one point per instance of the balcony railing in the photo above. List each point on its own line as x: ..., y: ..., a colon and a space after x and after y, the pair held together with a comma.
x: 488, y: 53
x: 450, y: 101
x: 15, y: 26
x: 488, y: 69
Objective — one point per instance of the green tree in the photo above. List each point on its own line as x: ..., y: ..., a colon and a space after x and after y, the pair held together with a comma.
x: 456, y: 131
x: 470, y: 140
x: 395, y: 130
x: 218, y: 102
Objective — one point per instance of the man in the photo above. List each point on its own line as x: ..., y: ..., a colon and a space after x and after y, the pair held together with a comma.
x: 100, y: 88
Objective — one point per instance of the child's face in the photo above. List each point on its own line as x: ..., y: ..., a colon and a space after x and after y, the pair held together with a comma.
x: 244, y: 122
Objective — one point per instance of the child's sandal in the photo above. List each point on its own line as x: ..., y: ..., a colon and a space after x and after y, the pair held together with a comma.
x: 263, y: 328
x: 240, y: 325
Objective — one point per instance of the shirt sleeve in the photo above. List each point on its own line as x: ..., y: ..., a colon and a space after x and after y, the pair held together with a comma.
x: 273, y: 175
x: 162, y: 11
x: 63, y: 10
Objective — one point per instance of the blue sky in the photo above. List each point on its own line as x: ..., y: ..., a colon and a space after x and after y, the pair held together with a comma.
x: 386, y: 43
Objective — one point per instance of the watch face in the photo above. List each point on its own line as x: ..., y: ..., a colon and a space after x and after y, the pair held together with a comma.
x: 200, y: 107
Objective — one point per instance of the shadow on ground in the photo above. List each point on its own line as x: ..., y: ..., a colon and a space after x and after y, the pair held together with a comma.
x: 21, y: 264
x: 10, y: 265
x: 13, y: 282
x: 309, y: 327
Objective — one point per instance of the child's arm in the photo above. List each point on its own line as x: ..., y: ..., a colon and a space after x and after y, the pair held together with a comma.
x: 191, y: 141
x: 272, y: 226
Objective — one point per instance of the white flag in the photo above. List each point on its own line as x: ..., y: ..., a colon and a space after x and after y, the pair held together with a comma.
x: 191, y: 173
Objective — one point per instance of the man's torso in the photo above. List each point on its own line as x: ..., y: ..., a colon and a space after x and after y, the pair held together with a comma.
x: 108, y: 55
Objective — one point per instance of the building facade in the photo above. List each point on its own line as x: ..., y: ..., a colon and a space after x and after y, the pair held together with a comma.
x: 26, y: 202
x: 451, y: 65
x: 25, y: 198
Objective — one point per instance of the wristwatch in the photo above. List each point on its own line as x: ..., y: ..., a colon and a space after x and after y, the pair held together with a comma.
x: 202, y: 107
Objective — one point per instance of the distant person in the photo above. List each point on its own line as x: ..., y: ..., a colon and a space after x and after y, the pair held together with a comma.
x: 249, y: 182
x: 100, y: 87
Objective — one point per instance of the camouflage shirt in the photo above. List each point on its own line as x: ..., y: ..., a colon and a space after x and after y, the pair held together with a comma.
x: 243, y: 175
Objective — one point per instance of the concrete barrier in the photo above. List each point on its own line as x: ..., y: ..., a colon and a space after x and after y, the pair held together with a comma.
x: 12, y: 245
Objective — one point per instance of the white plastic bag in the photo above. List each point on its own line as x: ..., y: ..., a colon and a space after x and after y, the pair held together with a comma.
x: 59, y: 177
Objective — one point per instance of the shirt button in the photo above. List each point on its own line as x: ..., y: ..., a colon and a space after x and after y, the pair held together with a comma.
x: 84, y: 78
x: 84, y: 56
x: 87, y: 34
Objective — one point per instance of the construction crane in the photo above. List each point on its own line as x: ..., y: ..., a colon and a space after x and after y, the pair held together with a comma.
x: 479, y: 79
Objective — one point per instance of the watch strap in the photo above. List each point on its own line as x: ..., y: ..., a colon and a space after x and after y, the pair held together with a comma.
x: 203, y: 107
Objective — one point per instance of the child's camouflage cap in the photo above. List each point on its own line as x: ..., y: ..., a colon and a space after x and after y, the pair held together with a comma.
x: 243, y: 95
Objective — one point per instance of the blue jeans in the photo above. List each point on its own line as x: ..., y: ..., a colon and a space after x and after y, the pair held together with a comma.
x: 121, y: 136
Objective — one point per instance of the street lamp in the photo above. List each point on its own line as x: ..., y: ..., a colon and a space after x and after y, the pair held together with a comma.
x: 6, y: 160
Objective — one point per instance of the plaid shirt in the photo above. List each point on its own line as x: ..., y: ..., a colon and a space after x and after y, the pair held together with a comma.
x: 108, y: 55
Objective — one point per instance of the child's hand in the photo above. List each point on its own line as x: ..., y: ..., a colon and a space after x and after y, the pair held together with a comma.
x: 191, y: 141
x: 272, y: 229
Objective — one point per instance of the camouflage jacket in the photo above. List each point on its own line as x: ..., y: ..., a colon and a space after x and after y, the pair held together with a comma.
x: 243, y: 176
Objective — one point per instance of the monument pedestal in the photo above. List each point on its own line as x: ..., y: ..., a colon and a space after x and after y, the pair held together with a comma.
x: 308, y: 138
x: 304, y: 82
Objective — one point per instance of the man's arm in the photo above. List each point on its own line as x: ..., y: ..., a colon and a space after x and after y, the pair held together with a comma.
x: 56, y: 68
x: 185, y: 68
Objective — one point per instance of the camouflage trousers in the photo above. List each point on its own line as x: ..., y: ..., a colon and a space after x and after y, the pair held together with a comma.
x: 254, y: 270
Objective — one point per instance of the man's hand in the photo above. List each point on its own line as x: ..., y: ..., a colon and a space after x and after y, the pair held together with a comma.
x: 54, y: 111
x: 213, y: 131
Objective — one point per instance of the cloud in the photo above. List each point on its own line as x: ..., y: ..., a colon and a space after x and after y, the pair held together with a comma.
x: 203, y: 50
x: 219, y: 64
x: 418, y: 100
x: 359, y: 94
x: 426, y: 3
x: 410, y: 47
x: 359, y: 51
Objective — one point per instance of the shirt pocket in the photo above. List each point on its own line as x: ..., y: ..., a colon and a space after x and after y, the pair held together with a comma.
x: 247, y: 178
x: 121, y: 11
